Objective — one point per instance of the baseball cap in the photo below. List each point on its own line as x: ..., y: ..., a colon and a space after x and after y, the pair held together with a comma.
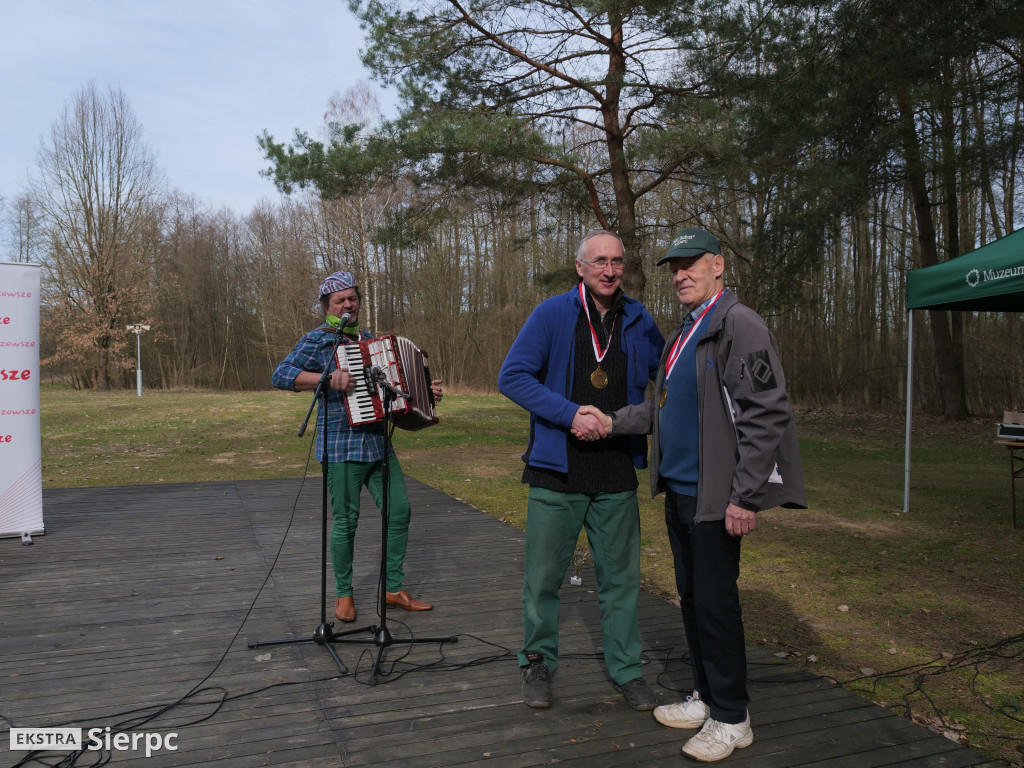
x: 690, y: 243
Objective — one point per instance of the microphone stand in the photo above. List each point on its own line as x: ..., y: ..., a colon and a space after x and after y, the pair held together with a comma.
x: 381, y: 637
x: 323, y: 635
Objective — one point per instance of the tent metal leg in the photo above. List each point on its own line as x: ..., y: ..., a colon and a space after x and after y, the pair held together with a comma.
x: 910, y: 409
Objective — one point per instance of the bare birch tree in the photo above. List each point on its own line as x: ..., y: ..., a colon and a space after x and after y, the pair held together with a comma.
x: 24, y: 230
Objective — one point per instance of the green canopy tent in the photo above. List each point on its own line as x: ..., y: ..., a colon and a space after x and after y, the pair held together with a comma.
x: 987, y: 279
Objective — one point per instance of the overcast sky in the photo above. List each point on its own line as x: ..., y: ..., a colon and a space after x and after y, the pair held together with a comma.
x: 203, y: 77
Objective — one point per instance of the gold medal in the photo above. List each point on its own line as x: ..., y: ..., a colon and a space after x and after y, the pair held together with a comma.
x: 664, y: 397
x: 598, y: 378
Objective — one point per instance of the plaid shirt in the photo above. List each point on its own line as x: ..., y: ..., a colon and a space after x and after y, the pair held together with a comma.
x: 344, y: 442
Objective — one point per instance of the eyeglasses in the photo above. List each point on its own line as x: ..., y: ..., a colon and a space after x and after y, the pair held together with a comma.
x: 602, y: 264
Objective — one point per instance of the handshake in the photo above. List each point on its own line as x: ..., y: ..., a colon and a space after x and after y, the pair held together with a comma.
x: 591, y: 423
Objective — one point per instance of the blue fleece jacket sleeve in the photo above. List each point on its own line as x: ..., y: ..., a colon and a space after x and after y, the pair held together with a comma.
x: 530, y: 355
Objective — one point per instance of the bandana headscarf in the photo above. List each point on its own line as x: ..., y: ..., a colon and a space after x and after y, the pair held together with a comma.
x: 339, y: 281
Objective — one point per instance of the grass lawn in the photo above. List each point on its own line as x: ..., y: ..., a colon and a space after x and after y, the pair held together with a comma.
x: 922, y: 611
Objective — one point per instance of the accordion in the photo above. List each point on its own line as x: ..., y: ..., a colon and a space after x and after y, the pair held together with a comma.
x: 405, y: 368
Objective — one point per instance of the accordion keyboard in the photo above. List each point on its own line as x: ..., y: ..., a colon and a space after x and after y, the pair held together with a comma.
x: 362, y: 407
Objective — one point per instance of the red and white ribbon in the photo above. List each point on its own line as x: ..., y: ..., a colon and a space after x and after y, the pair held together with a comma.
x: 681, y: 342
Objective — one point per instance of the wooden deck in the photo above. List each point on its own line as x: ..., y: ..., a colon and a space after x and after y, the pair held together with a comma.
x: 134, y: 596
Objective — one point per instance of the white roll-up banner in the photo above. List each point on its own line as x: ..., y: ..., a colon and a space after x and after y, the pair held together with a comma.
x: 21, y: 459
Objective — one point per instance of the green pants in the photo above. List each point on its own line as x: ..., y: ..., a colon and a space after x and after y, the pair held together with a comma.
x: 345, y: 481
x: 612, y: 522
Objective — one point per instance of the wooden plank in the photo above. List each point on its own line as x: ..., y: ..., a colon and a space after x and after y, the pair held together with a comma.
x: 134, y: 596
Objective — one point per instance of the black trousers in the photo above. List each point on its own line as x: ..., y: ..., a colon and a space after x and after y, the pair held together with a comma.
x: 707, y: 563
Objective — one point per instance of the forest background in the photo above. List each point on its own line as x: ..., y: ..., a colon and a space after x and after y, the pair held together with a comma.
x: 830, y: 146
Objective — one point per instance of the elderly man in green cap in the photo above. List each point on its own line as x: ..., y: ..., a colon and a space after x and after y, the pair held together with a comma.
x: 724, y: 447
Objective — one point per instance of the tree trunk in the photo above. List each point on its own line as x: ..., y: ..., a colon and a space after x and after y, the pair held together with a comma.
x: 951, y: 385
x: 634, y: 279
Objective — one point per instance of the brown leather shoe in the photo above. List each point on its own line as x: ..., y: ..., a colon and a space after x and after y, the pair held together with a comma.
x: 404, y: 600
x: 345, y: 609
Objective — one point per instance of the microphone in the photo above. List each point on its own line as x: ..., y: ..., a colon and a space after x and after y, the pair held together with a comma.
x: 338, y: 324
x: 378, y: 375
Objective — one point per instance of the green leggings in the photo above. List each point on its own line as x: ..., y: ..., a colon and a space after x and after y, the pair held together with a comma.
x: 345, y: 481
x: 612, y: 522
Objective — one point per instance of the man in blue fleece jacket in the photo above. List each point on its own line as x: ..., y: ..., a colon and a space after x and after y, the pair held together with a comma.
x: 591, y: 346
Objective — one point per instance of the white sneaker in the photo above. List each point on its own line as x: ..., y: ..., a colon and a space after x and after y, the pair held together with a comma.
x: 684, y: 714
x: 717, y: 740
